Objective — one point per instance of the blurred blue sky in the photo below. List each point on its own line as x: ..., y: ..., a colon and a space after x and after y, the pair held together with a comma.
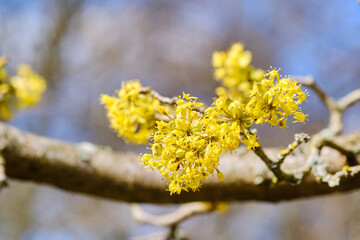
x: 320, y: 38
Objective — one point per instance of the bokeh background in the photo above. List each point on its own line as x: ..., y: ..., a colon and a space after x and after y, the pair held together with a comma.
x: 85, y: 48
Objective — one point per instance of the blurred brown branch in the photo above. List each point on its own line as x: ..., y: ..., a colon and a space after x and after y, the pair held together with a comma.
x: 350, y: 99
x: 3, y: 182
x: 182, y: 213
x: 50, y: 60
x: 100, y: 171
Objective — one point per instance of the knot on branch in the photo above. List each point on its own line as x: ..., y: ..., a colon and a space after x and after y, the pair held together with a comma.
x: 85, y: 151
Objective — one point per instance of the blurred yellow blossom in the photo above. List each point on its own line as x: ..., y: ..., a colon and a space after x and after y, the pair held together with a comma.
x: 234, y: 70
x: 28, y: 86
x: 19, y: 91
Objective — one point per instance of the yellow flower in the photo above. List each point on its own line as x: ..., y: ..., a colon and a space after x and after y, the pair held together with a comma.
x: 250, y: 141
x: 234, y: 70
x: 6, y: 92
x: 20, y: 91
x: 131, y: 113
x: 28, y: 86
x: 274, y: 99
x: 234, y: 112
x: 5, y: 111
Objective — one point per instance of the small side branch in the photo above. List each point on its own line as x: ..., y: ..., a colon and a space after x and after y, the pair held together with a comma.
x: 166, y: 100
x: 275, y: 167
x: 319, y: 170
x: 162, y: 99
x: 299, y: 139
x: 335, y: 108
x: 349, y: 100
x: 350, y: 155
x: 174, y: 218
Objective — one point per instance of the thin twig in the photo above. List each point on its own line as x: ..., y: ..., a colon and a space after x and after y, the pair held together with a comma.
x: 162, y: 117
x: 335, y: 126
x: 172, y: 219
x: 162, y: 99
x: 350, y: 155
x: 335, y: 108
x: 349, y: 100
x: 299, y: 139
x: 166, y: 100
x: 319, y: 170
x: 275, y: 167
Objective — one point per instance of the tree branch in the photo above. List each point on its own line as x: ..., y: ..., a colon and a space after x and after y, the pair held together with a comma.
x: 162, y: 99
x: 166, y: 100
x: 349, y: 100
x: 350, y: 156
x: 336, y: 108
x: 99, y: 171
x: 3, y: 182
x: 299, y: 139
x: 274, y: 167
x: 182, y: 213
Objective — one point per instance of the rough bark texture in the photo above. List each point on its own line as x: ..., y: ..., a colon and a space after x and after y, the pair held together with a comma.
x: 99, y: 171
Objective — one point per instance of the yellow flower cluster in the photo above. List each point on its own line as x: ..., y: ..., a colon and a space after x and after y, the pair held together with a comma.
x: 20, y: 91
x: 274, y: 99
x: 186, y: 149
x: 233, y: 69
x: 132, y: 113
x: 28, y: 85
x: 188, y: 141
